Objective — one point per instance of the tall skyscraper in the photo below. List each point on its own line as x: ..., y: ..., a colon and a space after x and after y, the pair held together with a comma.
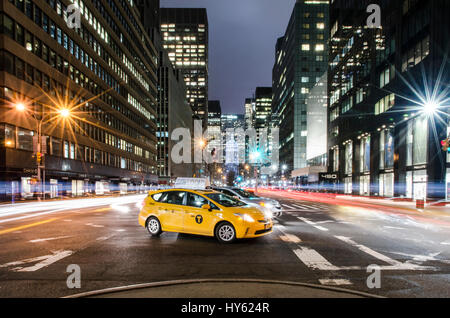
x: 149, y: 11
x: 92, y: 88
x: 263, y: 108
x: 249, y: 112
x: 173, y: 112
x: 185, y: 36
x: 385, y: 129
x: 300, y: 61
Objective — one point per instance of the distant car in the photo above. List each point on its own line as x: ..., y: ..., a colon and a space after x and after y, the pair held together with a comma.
x: 265, y: 204
x: 202, y: 212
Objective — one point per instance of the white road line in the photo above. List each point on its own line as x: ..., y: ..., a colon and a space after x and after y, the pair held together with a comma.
x: 369, y: 251
x: 46, y: 261
x: 301, y: 207
x: 395, y: 265
x: 394, y: 228
x: 50, y: 260
x: 313, y: 224
x: 288, y: 206
x: 94, y: 225
x: 335, y: 281
x: 314, y: 260
x: 49, y: 239
x: 324, y: 222
x: 289, y: 238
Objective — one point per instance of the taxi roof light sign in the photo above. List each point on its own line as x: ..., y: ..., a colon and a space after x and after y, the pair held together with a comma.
x: 192, y: 183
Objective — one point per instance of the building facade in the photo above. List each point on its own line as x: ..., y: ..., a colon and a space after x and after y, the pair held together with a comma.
x: 173, y: 112
x: 185, y: 36
x: 300, y: 62
x: 91, y: 86
x: 385, y: 128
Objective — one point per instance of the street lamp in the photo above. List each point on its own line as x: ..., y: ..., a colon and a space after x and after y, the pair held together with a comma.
x: 430, y: 107
x: 64, y: 113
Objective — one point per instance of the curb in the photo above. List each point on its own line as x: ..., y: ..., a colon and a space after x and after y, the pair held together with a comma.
x: 199, y: 281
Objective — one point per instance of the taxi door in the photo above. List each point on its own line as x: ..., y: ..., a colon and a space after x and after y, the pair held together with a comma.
x: 196, y: 219
x: 171, y: 211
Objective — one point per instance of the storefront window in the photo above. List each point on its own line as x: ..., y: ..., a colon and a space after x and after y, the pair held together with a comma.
x: 387, y: 185
x: 420, y: 136
x: 348, y: 186
x: 349, y: 158
x: 364, y: 185
x: 365, y: 154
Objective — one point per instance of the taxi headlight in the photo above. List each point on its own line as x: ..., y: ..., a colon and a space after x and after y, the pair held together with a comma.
x: 268, y: 215
x: 245, y: 217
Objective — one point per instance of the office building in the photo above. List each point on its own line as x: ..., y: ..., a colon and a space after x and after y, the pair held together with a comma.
x: 173, y: 112
x: 384, y: 138
x: 93, y: 88
x: 300, y: 62
x: 185, y: 36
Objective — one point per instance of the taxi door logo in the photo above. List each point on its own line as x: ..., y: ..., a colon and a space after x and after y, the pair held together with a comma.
x: 199, y: 219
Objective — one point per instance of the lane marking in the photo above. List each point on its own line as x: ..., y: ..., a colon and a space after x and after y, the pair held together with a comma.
x: 313, y: 224
x: 47, y: 262
x: 31, y: 216
x: 394, y: 227
x: 314, y: 260
x: 26, y: 226
x: 49, y: 239
x: 102, y: 210
x: 94, y: 225
x: 44, y: 261
x: 288, y: 206
x: 335, y: 281
x: 289, y: 238
x: 394, y: 264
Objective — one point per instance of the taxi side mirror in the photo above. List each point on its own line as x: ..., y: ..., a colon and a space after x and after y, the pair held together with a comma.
x: 206, y: 207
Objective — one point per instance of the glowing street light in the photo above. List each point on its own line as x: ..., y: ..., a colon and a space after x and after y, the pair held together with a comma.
x: 20, y: 107
x: 65, y: 113
x: 430, y: 107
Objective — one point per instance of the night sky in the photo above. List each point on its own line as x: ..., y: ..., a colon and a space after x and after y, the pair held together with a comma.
x: 242, y: 38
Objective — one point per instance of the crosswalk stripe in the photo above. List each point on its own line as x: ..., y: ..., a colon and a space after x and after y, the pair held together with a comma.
x: 313, y: 224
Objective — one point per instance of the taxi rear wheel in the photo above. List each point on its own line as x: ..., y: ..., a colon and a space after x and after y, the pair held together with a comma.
x: 154, y: 227
x: 225, y: 232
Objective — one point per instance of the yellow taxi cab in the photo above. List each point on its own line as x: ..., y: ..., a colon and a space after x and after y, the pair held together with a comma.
x: 202, y: 212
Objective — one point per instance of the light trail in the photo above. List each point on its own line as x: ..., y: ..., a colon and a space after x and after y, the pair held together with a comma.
x: 64, y: 205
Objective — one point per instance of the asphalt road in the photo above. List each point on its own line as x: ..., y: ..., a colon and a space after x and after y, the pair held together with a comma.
x: 313, y: 242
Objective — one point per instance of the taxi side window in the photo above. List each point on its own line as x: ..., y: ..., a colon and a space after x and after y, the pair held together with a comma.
x: 173, y: 197
x: 157, y: 197
x: 196, y: 201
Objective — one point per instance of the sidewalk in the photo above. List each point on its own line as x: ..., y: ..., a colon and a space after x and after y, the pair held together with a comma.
x: 225, y: 288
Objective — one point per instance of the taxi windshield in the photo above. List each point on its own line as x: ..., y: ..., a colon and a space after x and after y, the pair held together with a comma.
x: 225, y: 200
x: 245, y: 194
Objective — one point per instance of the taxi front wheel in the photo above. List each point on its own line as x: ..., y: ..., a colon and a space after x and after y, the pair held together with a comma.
x: 154, y: 227
x: 225, y: 233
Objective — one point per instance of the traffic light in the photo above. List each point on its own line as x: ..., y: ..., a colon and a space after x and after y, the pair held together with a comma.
x: 39, y: 157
